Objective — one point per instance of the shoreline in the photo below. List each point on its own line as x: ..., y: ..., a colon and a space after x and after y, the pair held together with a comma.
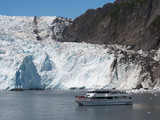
x: 132, y: 92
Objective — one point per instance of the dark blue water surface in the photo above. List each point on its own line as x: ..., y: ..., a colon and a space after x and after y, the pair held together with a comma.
x: 60, y: 105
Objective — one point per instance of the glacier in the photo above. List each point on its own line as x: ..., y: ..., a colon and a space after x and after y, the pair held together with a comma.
x: 33, y: 56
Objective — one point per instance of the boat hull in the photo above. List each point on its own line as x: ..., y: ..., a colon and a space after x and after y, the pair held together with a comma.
x: 103, y: 102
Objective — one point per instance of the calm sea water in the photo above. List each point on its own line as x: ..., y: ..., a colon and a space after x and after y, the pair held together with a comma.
x: 60, y: 105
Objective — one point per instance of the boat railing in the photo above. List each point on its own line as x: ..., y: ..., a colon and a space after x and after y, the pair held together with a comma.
x: 108, y: 92
x: 80, y: 97
x: 92, y: 98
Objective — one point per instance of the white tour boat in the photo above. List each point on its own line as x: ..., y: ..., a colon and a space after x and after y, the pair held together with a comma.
x: 104, y: 97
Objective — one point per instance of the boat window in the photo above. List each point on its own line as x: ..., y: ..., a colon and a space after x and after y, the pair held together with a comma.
x: 102, y: 97
x: 102, y: 92
x: 98, y: 97
x: 90, y: 92
x: 110, y: 97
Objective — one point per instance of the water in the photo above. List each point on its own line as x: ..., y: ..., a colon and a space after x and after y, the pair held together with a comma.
x: 60, y: 105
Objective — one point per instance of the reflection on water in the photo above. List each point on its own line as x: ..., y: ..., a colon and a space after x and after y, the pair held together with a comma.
x: 105, y: 112
x: 146, y: 102
x: 60, y: 105
x: 145, y: 106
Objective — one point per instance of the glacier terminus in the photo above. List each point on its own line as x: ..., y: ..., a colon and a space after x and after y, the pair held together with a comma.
x: 33, y: 55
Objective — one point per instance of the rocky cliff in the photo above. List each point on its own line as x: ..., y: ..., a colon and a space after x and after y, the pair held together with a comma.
x: 133, y: 23
x: 126, y: 22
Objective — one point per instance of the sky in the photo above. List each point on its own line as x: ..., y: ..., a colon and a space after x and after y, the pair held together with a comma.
x: 62, y: 8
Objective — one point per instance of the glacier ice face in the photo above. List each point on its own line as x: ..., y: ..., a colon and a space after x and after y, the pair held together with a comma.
x: 47, y: 65
x: 27, y: 76
x: 31, y: 58
x: 53, y: 65
x: 56, y: 65
x: 32, y: 28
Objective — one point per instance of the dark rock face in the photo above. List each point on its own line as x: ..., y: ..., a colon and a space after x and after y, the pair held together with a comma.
x: 16, y: 89
x: 125, y: 22
x: 139, y: 86
x: 54, y: 31
x: 149, y: 68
